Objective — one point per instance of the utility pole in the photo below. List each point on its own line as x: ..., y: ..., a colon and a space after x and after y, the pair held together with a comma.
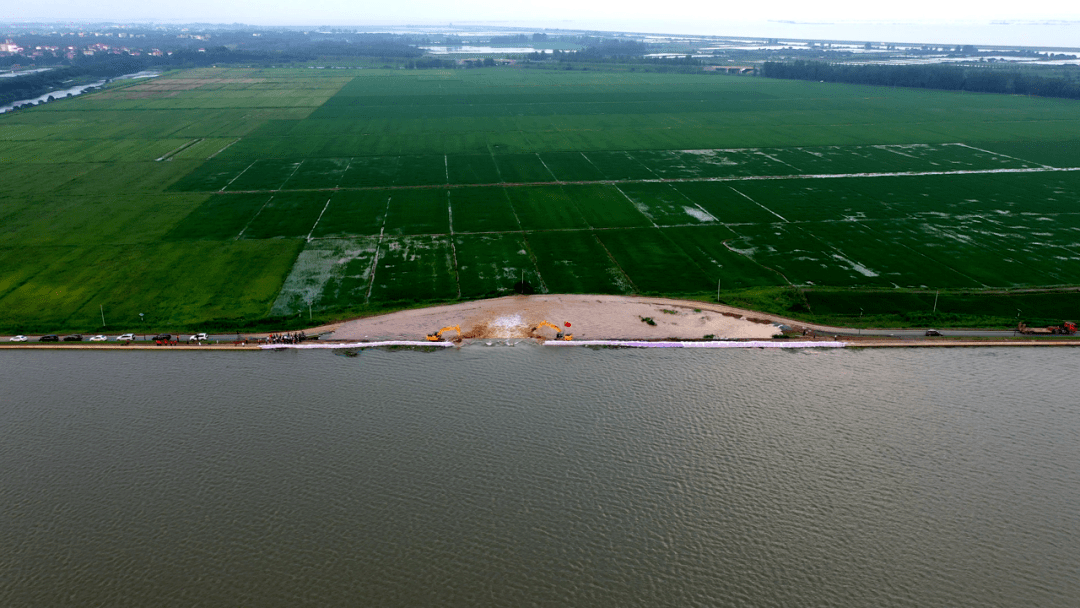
x: 718, y: 290
x: 101, y: 307
x: 935, y: 301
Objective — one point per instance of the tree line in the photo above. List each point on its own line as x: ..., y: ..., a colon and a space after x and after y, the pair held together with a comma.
x: 944, y: 77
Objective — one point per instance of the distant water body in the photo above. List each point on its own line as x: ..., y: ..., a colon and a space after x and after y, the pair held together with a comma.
x: 450, y: 50
x: 498, y: 476
x: 921, y: 29
x: 73, y: 91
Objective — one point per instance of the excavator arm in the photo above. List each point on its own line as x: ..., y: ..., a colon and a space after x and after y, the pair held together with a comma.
x: 558, y: 332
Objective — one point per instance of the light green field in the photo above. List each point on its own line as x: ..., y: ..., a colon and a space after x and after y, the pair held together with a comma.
x: 232, y: 197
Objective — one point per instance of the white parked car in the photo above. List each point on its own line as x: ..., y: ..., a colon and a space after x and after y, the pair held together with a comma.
x: 197, y: 338
x: 123, y: 337
x: 98, y: 338
x: 17, y: 339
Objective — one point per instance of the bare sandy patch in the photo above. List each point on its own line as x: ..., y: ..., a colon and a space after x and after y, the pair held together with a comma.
x: 589, y: 318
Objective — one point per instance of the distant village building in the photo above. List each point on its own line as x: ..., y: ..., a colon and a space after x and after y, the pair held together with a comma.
x: 10, y: 47
x: 730, y: 69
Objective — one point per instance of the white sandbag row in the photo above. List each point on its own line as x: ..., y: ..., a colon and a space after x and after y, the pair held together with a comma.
x: 710, y: 344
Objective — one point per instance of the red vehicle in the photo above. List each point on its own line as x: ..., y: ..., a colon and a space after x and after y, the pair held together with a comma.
x: 1067, y: 328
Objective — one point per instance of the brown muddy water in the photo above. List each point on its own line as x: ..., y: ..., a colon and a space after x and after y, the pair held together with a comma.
x: 520, y: 476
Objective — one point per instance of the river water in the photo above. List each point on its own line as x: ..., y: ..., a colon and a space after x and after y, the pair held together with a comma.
x: 491, y: 476
x: 73, y: 91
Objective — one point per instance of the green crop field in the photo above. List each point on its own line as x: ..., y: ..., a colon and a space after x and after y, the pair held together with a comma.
x: 232, y: 197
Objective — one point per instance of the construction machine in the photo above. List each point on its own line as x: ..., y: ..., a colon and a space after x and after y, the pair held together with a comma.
x: 559, y: 335
x: 436, y: 336
x: 1067, y: 328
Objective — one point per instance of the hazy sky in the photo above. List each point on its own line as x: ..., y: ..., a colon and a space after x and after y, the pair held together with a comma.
x: 708, y: 11
x: 686, y: 16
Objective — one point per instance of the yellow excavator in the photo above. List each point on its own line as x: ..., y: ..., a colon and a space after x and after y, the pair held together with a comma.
x: 558, y: 332
x: 436, y: 336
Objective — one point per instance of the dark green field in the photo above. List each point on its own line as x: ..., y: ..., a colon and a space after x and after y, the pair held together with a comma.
x: 230, y: 197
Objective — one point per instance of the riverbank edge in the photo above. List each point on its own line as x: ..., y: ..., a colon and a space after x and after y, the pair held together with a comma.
x: 783, y: 343
x: 796, y: 330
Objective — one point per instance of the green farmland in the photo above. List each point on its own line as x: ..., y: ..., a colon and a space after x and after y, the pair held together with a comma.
x: 230, y: 198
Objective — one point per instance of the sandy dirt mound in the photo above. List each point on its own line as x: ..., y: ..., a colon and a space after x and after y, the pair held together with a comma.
x: 590, y: 318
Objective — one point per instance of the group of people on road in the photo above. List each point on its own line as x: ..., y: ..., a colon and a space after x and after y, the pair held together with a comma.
x: 290, y: 338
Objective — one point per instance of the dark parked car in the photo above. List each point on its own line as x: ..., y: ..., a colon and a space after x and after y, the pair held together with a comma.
x: 933, y: 332
x: 73, y: 338
x: 163, y: 337
x: 49, y: 338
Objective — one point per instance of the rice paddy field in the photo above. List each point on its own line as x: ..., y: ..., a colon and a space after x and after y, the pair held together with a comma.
x: 233, y: 197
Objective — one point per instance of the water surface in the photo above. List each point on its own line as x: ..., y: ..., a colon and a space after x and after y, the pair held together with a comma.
x: 531, y: 476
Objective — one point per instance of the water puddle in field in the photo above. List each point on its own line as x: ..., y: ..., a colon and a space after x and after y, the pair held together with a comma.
x: 699, y: 215
x: 859, y: 268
